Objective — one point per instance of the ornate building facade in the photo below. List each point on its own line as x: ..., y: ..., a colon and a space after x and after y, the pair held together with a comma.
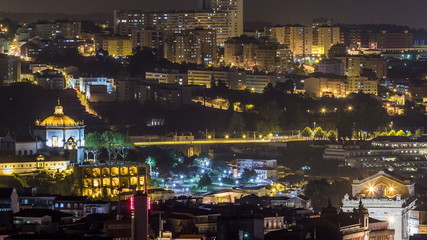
x: 61, y: 133
x: 110, y: 180
x: 383, y: 194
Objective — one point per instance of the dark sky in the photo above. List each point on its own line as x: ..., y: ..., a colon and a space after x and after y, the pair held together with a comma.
x: 408, y: 12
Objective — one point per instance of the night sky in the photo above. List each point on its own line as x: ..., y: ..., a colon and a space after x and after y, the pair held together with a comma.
x: 410, y: 12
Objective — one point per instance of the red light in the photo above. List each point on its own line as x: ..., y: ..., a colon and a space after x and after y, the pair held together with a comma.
x: 132, y: 203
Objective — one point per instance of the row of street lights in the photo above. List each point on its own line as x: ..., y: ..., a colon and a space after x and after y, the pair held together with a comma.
x: 324, y: 110
x: 245, y: 136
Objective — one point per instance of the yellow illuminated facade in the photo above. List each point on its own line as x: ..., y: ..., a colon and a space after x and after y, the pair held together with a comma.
x: 324, y: 38
x: 382, y: 185
x: 31, y: 164
x: 102, y: 181
x: 118, y: 47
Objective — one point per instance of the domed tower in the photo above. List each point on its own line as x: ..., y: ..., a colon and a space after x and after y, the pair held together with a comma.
x: 61, y: 133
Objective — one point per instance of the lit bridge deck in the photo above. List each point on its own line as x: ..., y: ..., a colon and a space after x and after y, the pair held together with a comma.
x: 220, y: 141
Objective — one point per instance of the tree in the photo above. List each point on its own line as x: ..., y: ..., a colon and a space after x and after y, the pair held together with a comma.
x: 392, y: 133
x: 269, y: 89
x: 419, y: 132
x: 205, y: 181
x: 345, y: 125
x: 110, y: 143
x: 248, y: 175
x: 269, y: 115
x: 332, y: 136
x: 285, y: 87
x: 409, y: 134
x: 203, y: 160
x: 307, y: 132
x: 366, y: 105
x: 124, y: 144
x: 401, y: 133
x: 319, y: 191
x: 289, y: 86
x: 151, y: 162
x: 94, y: 144
x: 319, y: 133
x: 237, y: 123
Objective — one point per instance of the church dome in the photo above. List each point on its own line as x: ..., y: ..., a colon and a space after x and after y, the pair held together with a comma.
x: 58, y: 119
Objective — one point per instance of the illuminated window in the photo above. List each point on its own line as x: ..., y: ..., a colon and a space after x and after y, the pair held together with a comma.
x: 54, y: 141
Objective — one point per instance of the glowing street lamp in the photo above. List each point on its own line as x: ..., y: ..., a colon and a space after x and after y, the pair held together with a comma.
x: 323, y: 110
x: 350, y: 108
x: 227, y: 136
x: 244, y: 136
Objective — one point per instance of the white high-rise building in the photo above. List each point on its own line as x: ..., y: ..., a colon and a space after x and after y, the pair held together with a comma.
x: 225, y: 17
x: 235, y: 10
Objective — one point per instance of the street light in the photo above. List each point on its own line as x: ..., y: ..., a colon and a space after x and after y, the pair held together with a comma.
x: 350, y: 108
x: 323, y: 110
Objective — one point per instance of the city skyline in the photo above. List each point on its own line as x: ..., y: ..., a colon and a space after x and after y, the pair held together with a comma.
x: 387, y: 12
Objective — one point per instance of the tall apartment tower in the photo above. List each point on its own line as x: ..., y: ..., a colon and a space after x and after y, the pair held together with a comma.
x: 234, y: 8
x: 325, y: 35
x: 298, y: 38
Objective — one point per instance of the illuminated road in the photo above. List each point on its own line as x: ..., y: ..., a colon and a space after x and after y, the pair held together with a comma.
x: 221, y: 141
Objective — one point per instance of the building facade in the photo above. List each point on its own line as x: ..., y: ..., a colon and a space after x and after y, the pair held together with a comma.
x: 111, y: 180
x: 383, y: 194
x: 62, y: 133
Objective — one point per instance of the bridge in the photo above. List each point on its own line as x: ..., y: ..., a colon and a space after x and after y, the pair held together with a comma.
x: 221, y: 141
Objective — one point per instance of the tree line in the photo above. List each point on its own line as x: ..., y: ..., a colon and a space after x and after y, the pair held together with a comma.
x: 114, y: 143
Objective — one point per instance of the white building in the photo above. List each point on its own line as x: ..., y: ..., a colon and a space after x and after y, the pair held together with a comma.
x: 82, y: 83
x: 415, y: 217
x: 234, y: 79
x: 167, y: 77
x: 265, y: 169
x: 330, y: 67
x: 62, y: 133
x: 20, y: 145
x: 226, y: 19
x: 403, y: 154
x: 383, y: 194
x: 257, y: 82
